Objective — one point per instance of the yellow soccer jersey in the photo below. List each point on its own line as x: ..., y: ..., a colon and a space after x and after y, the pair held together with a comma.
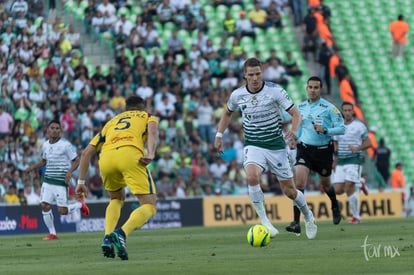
x: 129, y: 128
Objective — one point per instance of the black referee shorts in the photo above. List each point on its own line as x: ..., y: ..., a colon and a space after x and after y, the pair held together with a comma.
x: 317, y: 158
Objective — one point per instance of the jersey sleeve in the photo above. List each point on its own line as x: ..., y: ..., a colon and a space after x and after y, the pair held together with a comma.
x: 232, y: 103
x: 70, y: 152
x: 284, y: 100
x: 338, y: 126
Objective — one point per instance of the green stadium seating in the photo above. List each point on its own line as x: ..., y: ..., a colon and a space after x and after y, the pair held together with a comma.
x: 385, y: 84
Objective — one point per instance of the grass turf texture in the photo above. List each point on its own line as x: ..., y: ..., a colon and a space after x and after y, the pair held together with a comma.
x: 221, y: 250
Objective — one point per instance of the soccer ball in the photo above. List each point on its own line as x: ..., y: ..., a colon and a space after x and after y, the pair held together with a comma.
x: 258, y: 235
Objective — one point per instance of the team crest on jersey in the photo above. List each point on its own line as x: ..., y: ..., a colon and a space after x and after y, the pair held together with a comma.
x: 254, y: 101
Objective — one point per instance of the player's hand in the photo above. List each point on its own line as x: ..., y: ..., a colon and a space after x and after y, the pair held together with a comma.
x: 292, y: 144
x: 353, y: 149
x: 290, y: 135
x: 81, y: 191
x: 145, y: 160
x: 218, y: 144
x: 68, y: 177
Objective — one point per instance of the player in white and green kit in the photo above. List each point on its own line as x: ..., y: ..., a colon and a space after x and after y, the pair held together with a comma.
x: 264, y: 144
x: 349, y: 158
x: 60, y: 160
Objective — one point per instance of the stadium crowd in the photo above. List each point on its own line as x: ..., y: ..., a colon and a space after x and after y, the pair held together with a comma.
x: 44, y: 77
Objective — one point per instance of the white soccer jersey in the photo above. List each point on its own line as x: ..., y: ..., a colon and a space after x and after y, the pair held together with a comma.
x: 59, y: 157
x: 262, y: 120
x: 355, y: 133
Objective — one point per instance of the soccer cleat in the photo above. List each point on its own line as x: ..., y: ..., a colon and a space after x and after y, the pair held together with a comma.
x: 119, y: 240
x: 336, y: 214
x: 354, y: 221
x: 294, y: 227
x: 364, y: 187
x: 108, y: 247
x: 311, y: 229
x: 272, y: 230
x: 51, y: 237
x: 84, y: 209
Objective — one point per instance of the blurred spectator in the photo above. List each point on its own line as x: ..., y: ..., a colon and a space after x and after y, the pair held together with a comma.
x: 325, y: 10
x: 165, y: 12
x: 127, y: 25
x: 11, y: 195
x: 310, y: 33
x: 19, y: 6
x: 95, y: 183
x: 32, y: 197
x: 382, y: 157
x: 22, y: 197
x: 297, y: 9
x: 275, y: 72
x: 89, y: 13
x: 291, y: 66
x: 399, y: 30
x: 74, y: 38
x: 106, y: 6
x: 229, y: 25
x: 6, y: 123
x: 258, y: 16
x: 273, y: 15
x: 205, y: 119
x: 103, y: 113
x: 398, y: 180
x: 323, y: 59
x: 98, y: 23
x: 150, y: 36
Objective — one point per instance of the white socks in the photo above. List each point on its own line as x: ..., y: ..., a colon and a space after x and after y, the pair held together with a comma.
x: 353, y: 204
x: 257, y: 198
x: 74, y: 206
x: 48, y: 219
x: 300, y: 202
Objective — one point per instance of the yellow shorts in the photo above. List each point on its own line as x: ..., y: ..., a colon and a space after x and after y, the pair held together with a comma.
x: 120, y: 168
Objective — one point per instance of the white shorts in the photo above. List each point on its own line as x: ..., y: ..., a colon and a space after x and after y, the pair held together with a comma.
x: 276, y: 161
x: 347, y: 173
x: 292, y: 157
x: 51, y: 193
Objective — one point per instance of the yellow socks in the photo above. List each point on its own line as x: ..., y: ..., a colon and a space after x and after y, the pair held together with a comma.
x: 138, y: 218
x: 113, y: 212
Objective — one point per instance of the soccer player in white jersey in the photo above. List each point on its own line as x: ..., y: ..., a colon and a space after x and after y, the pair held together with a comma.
x: 349, y: 159
x: 60, y: 161
x: 264, y: 144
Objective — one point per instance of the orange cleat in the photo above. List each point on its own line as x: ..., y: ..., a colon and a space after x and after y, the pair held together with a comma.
x: 51, y: 237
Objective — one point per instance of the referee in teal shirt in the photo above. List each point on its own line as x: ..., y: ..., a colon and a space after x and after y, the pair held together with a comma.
x: 320, y: 121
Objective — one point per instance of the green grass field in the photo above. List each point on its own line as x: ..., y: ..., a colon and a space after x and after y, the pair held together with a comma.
x: 224, y: 250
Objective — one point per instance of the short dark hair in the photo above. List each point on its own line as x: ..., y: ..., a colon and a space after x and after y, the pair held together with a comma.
x: 347, y: 103
x: 252, y: 62
x: 54, y: 121
x: 315, y: 78
x: 135, y: 103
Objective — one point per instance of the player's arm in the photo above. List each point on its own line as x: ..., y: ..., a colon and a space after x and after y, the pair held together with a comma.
x: 338, y: 125
x: 152, y: 142
x: 41, y: 163
x: 296, y: 121
x: 222, y: 126
x: 366, y: 143
x: 73, y: 167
